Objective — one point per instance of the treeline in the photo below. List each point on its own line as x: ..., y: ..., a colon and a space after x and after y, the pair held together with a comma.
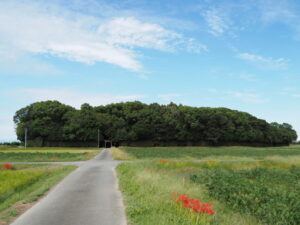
x: 13, y: 143
x: 51, y: 123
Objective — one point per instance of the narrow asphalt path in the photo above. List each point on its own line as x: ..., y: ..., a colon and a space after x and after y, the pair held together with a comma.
x: 88, y: 196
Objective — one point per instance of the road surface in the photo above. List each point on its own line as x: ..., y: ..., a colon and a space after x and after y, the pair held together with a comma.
x: 88, y: 196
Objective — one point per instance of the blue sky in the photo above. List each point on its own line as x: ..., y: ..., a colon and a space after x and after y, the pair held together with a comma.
x: 238, y: 54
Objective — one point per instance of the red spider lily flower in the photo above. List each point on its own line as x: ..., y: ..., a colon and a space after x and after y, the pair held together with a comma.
x: 195, y: 204
x: 7, y: 166
x: 165, y: 161
x: 88, y: 154
x: 182, y: 198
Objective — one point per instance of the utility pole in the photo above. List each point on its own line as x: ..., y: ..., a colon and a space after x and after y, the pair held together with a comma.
x: 98, y: 138
x: 26, y: 129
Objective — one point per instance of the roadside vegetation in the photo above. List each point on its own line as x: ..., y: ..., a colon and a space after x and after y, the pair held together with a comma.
x: 21, y: 185
x: 237, y: 185
x: 240, y: 193
x: 8, y: 154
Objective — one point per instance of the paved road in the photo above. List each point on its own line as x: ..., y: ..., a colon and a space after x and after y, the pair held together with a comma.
x: 88, y: 196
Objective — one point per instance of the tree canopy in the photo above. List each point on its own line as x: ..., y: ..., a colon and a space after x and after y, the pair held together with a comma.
x: 149, y: 124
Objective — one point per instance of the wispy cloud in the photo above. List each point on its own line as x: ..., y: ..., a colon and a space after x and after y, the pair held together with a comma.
x: 232, y: 16
x: 265, y: 62
x: 143, y: 76
x: 37, y: 28
x: 72, y: 97
x: 216, y: 21
x: 246, y: 97
x: 168, y: 97
x: 244, y: 76
x: 282, y: 11
x: 7, y: 128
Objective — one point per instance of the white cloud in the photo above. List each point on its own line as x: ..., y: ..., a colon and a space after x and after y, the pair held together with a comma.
x: 131, y: 32
x: 7, y: 130
x: 143, y: 76
x: 244, y: 76
x: 13, y: 62
x: 282, y: 11
x: 246, y: 97
x: 168, y: 97
x: 265, y: 62
x: 44, y: 28
x: 74, y: 98
x: 296, y: 95
x: 216, y: 21
x: 231, y: 16
x: 212, y: 90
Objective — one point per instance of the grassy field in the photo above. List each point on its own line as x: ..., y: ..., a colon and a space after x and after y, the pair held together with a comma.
x: 205, y: 153
x: 46, y: 154
x: 252, y: 192
x: 25, y: 184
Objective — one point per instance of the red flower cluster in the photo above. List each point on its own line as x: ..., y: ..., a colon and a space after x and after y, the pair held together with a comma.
x: 7, y: 166
x: 194, y: 204
x: 165, y: 161
x: 88, y: 154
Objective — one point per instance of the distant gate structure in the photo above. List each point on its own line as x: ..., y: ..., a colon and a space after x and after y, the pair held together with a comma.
x: 107, y: 143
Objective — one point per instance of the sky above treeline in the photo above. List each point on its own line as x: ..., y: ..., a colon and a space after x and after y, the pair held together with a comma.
x: 238, y: 54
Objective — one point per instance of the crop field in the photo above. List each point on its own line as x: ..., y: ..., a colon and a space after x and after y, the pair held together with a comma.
x: 213, y: 192
x: 47, y: 154
x: 206, y: 153
x: 22, y: 184
x: 47, y: 149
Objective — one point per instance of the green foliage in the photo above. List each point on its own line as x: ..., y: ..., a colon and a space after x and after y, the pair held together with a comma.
x: 258, y: 192
x: 132, y: 123
x: 43, y: 120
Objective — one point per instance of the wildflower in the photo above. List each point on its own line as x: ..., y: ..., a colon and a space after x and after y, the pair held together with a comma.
x: 8, y: 166
x: 88, y: 154
x: 195, y: 204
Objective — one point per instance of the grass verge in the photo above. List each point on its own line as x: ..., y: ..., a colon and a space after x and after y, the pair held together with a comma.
x: 119, y: 154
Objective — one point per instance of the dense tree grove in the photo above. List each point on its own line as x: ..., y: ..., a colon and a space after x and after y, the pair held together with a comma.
x: 51, y: 123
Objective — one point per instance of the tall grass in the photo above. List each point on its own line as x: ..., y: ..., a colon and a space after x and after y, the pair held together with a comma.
x: 26, y: 184
x: 14, y: 181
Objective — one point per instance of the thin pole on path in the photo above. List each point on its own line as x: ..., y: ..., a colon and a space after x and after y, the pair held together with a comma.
x: 98, y: 138
x: 26, y: 137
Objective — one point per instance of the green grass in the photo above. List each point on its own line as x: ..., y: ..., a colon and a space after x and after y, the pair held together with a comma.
x: 148, y: 186
x: 47, y: 154
x: 210, y: 153
x: 26, y: 184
